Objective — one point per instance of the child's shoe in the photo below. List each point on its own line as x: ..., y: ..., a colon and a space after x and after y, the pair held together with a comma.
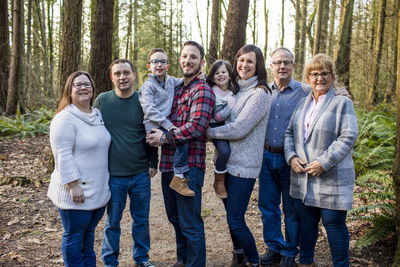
x: 180, y: 185
x: 219, y: 185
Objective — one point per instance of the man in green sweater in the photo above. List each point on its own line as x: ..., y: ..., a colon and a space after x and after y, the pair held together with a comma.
x: 130, y: 165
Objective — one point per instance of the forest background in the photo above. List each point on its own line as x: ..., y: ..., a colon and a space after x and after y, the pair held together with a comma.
x: 43, y: 41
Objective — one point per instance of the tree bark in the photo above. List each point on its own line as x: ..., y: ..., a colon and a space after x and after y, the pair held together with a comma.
x: 4, y: 54
x: 283, y: 22
x: 331, y: 44
x: 70, y: 40
x: 297, y: 20
x: 266, y: 28
x: 214, y: 39
x: 115, y: 43
x: 101, y: 44
x: 342, y: 54
x: 15, y: 81
x: 303, y: 33
x: 318, y: 23
x: 235, y: 28
x: 380, y: 29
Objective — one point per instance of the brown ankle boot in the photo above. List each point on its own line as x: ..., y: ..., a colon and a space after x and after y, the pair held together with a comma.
x: 238, y: 260
x: 180, y: 185
x: 219, y: 185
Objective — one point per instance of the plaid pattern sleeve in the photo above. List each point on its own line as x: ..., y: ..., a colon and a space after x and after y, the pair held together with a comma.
x: 191, y: 112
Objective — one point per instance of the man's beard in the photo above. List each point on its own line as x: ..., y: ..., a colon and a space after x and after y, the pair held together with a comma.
x: 190, y: 74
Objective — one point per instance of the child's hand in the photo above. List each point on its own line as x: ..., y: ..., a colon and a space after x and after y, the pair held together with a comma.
x: 201, y: 76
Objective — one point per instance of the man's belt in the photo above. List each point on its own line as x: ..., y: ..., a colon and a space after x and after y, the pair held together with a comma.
x: 274, y: 149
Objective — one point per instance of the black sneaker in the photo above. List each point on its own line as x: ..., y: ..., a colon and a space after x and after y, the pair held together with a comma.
x: 287, y: 262
x: 145, y: 264
x: 270, y: 257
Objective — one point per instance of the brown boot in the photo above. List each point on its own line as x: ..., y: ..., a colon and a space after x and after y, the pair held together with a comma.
x: 219, y: 185
x: 180, y: 185
x: 238, y: 260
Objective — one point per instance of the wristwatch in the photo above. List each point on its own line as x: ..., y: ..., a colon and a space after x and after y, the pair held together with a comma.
x: 162, y: 139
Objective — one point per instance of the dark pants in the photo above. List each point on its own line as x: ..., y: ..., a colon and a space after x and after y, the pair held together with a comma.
x: 184, y: 213
x: 239, y: 192
x: 334, y: 222
x: 78, y: 237
x: 224, y: 150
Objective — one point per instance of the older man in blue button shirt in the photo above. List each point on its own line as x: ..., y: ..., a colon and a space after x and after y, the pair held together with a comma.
x: 274, y: 180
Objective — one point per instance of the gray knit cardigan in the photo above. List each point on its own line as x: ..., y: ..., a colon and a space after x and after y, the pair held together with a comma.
x: 331, y: 139
x: 245, y: 129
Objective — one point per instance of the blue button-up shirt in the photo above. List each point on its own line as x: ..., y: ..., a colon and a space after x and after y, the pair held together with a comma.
x: 282, y: 106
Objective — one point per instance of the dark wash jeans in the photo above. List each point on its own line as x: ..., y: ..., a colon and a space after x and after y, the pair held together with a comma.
x: 334, y: 222
x: 78, y: 237
x: 223, y: 148
x: 184, y: 213
x: 239, y: 192
x: 274, y: 183
x: 137, y: 187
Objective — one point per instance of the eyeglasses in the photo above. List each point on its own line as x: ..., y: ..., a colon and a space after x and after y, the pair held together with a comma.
x: 159, y: 61
x: 80, y: 85
x: 314, y: 75
x: 284, y: 62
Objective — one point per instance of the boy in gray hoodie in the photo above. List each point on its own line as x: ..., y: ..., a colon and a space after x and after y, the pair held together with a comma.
x: 156, y: 97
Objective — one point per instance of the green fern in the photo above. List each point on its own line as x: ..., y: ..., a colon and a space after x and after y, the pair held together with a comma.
x: 383, y: 227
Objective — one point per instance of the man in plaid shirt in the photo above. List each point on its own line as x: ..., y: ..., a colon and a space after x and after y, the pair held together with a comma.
x: 191, y: 113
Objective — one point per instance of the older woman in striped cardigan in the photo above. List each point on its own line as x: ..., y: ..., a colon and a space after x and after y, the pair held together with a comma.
x: 319, y: 146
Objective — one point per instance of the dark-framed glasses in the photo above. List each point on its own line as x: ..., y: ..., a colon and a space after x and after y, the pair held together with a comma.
x: 80, y: 85
x: 159, y: 61
x: 315, y: 75
x: 284, y: 62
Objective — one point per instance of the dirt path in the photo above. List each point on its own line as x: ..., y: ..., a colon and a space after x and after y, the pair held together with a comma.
x: 30, y: 228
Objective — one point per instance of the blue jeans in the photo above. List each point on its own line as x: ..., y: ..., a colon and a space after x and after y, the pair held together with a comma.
x: 334, y: 222
x: 223, y: 148
x: 78, y: 237
x: 239, y: 192
x: 184, y: 213
x: 274, y: 182
x: 137, y: 187
x: 181, y: 158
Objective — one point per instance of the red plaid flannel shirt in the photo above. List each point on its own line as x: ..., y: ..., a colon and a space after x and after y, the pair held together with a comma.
x: 191, y: 112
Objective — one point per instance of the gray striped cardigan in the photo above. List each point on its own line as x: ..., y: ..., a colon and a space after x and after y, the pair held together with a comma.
x: 331, y: 139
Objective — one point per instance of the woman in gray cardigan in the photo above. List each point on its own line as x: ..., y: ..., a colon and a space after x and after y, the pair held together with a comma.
x: 319, y: 146
x: 245, y: 129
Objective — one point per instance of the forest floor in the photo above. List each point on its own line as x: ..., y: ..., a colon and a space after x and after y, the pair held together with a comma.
x: 30, y: 228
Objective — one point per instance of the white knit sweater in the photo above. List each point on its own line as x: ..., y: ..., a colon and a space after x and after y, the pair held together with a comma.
x: 79, y: 142
x: 245, y: 129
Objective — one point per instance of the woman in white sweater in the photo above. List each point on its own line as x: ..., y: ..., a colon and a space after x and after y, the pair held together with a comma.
x: 79, y: 183
x: 245, y: 129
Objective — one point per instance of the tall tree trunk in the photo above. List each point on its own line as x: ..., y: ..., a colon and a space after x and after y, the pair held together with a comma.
x: 395, y: 50
x: 28, y: 66
x: 324, y: 26
x: 303, y: 33
x: 318, y: 22
x: 115, y: 43
x: 266, y: 28
x: 15, y: 81
x: 342, y: 54
x: 310, y: 25
x: 214, y: 39
x: 43, y: 43
x: 297, y: 40
x: 283, y: 23
x: 199, y: 25
x: 396, y: 167
x: 254, y: 31
x: 380, y: 29
x: 50, y: 16
x: 135, y: 33
x: 331, y: 44
x: 235, y: 28
x: 129, y: 30
x: 101, y: 44
x: 70, y: 40
x: 4, y: 54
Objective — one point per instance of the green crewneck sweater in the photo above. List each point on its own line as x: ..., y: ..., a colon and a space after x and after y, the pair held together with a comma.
x: 123, y: 117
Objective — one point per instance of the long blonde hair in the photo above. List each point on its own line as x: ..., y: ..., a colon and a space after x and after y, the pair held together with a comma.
x: 66, y: 96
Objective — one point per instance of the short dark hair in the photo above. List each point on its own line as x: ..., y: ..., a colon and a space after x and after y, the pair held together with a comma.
x: 153, y: 51
x: 261, y: 72
x: 196, y: 44
x: 121, y: 60
x: 232, y: 85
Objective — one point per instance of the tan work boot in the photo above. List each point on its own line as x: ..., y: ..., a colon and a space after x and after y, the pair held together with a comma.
x: 180, y: 185
x: 219, y: 185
